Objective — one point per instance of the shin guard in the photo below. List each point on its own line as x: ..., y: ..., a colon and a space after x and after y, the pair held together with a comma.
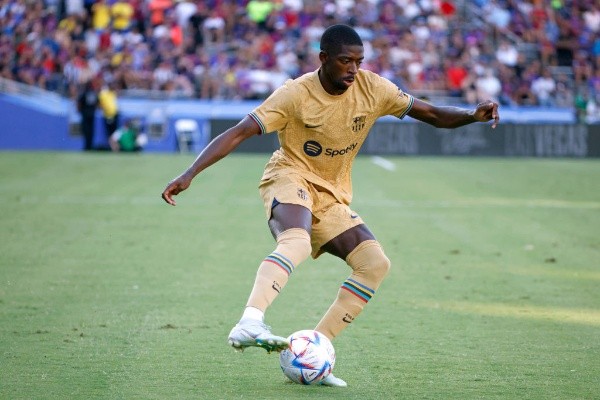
x: 370, y: 266
x: 293, y: 247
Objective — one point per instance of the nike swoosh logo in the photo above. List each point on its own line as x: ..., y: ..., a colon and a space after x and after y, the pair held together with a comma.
x: 346, y: 320
x: 354, y: 216
x: 276, y: 287
x: 312, y: 126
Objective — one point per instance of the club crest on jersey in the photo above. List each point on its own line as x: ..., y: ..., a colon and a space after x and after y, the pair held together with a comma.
x: 302, y: 194
x: 358, y: 123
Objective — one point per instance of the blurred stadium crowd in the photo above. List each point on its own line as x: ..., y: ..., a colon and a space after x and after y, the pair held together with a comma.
x: 520, y: 52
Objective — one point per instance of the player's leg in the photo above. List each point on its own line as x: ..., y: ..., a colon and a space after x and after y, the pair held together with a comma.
x: 361, y: 251
x: 290, y: 225
x: 340, y: 231
x: 369, y: 264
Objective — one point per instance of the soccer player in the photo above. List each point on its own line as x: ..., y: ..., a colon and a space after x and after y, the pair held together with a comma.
x: 321, y: 118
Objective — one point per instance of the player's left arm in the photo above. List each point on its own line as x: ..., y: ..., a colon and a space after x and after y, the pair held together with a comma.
x: 453, y: 117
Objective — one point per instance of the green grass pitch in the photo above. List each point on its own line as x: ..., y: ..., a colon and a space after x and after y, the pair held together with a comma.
x: 108, y: 293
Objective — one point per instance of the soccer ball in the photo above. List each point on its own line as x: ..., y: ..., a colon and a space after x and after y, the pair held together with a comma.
x: 309, y: 358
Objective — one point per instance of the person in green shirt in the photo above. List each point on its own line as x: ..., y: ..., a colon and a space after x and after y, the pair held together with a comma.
x: 128, y: 138
x: 259, y: 10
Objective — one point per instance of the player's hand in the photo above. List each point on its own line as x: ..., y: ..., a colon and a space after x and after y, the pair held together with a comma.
x: 175, y: 187
x: 487, y: 111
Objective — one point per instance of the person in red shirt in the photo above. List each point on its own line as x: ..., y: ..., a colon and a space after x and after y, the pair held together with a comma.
x: 455, y: 76
x: 157, y: 11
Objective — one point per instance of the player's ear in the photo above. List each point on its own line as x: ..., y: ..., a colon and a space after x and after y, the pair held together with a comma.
x: 323, y: 56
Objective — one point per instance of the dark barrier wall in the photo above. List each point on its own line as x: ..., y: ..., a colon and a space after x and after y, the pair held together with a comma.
x: 511, y: 140
x: 530, y: 140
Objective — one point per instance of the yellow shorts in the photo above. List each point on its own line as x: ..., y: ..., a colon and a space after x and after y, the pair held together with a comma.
x: 330, y: 217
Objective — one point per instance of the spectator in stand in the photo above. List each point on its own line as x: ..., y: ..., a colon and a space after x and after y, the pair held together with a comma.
x: 456, y: 73
x: 101, y: 15
x: 388, y: 15
x: 498, y: 16
x: 547, y: 36
x: 414, y: 69
x: 197, y: 24
x: 6, y: 49
x: 523, y: 96
x: 77, y: 70
x: 286, y: 58
x: 175, y: 31
x: 544, y: 88
x: 214, y: 28
x: 88, y: 4
x: 564, y: 96
x: 183, y: 11
x: 582, y: 67
x: 163, y: 75
x: 531, y: 71
x: 566, y: 42
x: 593, y: 83
x: 141, y: 74
x: 488, y: 86
x: 507, y: 53
x: 509, y: 81
x: 207, y: 78
x: 364, y: 12
x: 595, y: 50
x: 258, y: 12
x: 420, y: 31
x: 68, y: 24
x: 591, y: 17
x: 410, y: 9
x: 72, y: 7
x: 158, y: 9
x: 121, y: 13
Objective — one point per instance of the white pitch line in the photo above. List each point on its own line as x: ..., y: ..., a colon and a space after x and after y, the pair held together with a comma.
x: 383, y: 163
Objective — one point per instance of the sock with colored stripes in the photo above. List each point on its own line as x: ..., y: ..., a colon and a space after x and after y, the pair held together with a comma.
x: 369, y: 265
x: 293, y: 247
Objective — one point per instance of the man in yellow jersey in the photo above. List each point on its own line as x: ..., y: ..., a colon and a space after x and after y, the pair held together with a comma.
x: 108, y: 102
x: 321, y: 118
x: 122, y: 12
x: 100, y: 15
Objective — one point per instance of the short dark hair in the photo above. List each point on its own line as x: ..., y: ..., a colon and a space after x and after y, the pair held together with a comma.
x: 337, y: 36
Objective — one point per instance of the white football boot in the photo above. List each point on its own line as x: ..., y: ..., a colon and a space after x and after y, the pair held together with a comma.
x: 254, y: 333
x: 333, y: 381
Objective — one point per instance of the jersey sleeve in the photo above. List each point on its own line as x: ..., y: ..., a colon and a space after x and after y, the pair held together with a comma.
x: 395, y: 101
x: 273, y: 114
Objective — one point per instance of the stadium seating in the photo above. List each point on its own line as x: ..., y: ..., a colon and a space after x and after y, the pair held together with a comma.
x: 448, y: 51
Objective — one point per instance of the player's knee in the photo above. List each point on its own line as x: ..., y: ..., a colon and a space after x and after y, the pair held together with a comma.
x: 369, y: 260
x: 295, y: 244
x: 379, y: 266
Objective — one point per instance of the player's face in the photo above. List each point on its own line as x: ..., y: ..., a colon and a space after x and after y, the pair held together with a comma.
x: 338, y: 70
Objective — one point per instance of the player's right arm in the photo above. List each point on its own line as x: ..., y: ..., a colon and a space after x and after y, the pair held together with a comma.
x: 218, y: 148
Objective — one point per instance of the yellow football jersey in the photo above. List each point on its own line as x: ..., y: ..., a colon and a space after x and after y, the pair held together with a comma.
x: 319, y: 133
